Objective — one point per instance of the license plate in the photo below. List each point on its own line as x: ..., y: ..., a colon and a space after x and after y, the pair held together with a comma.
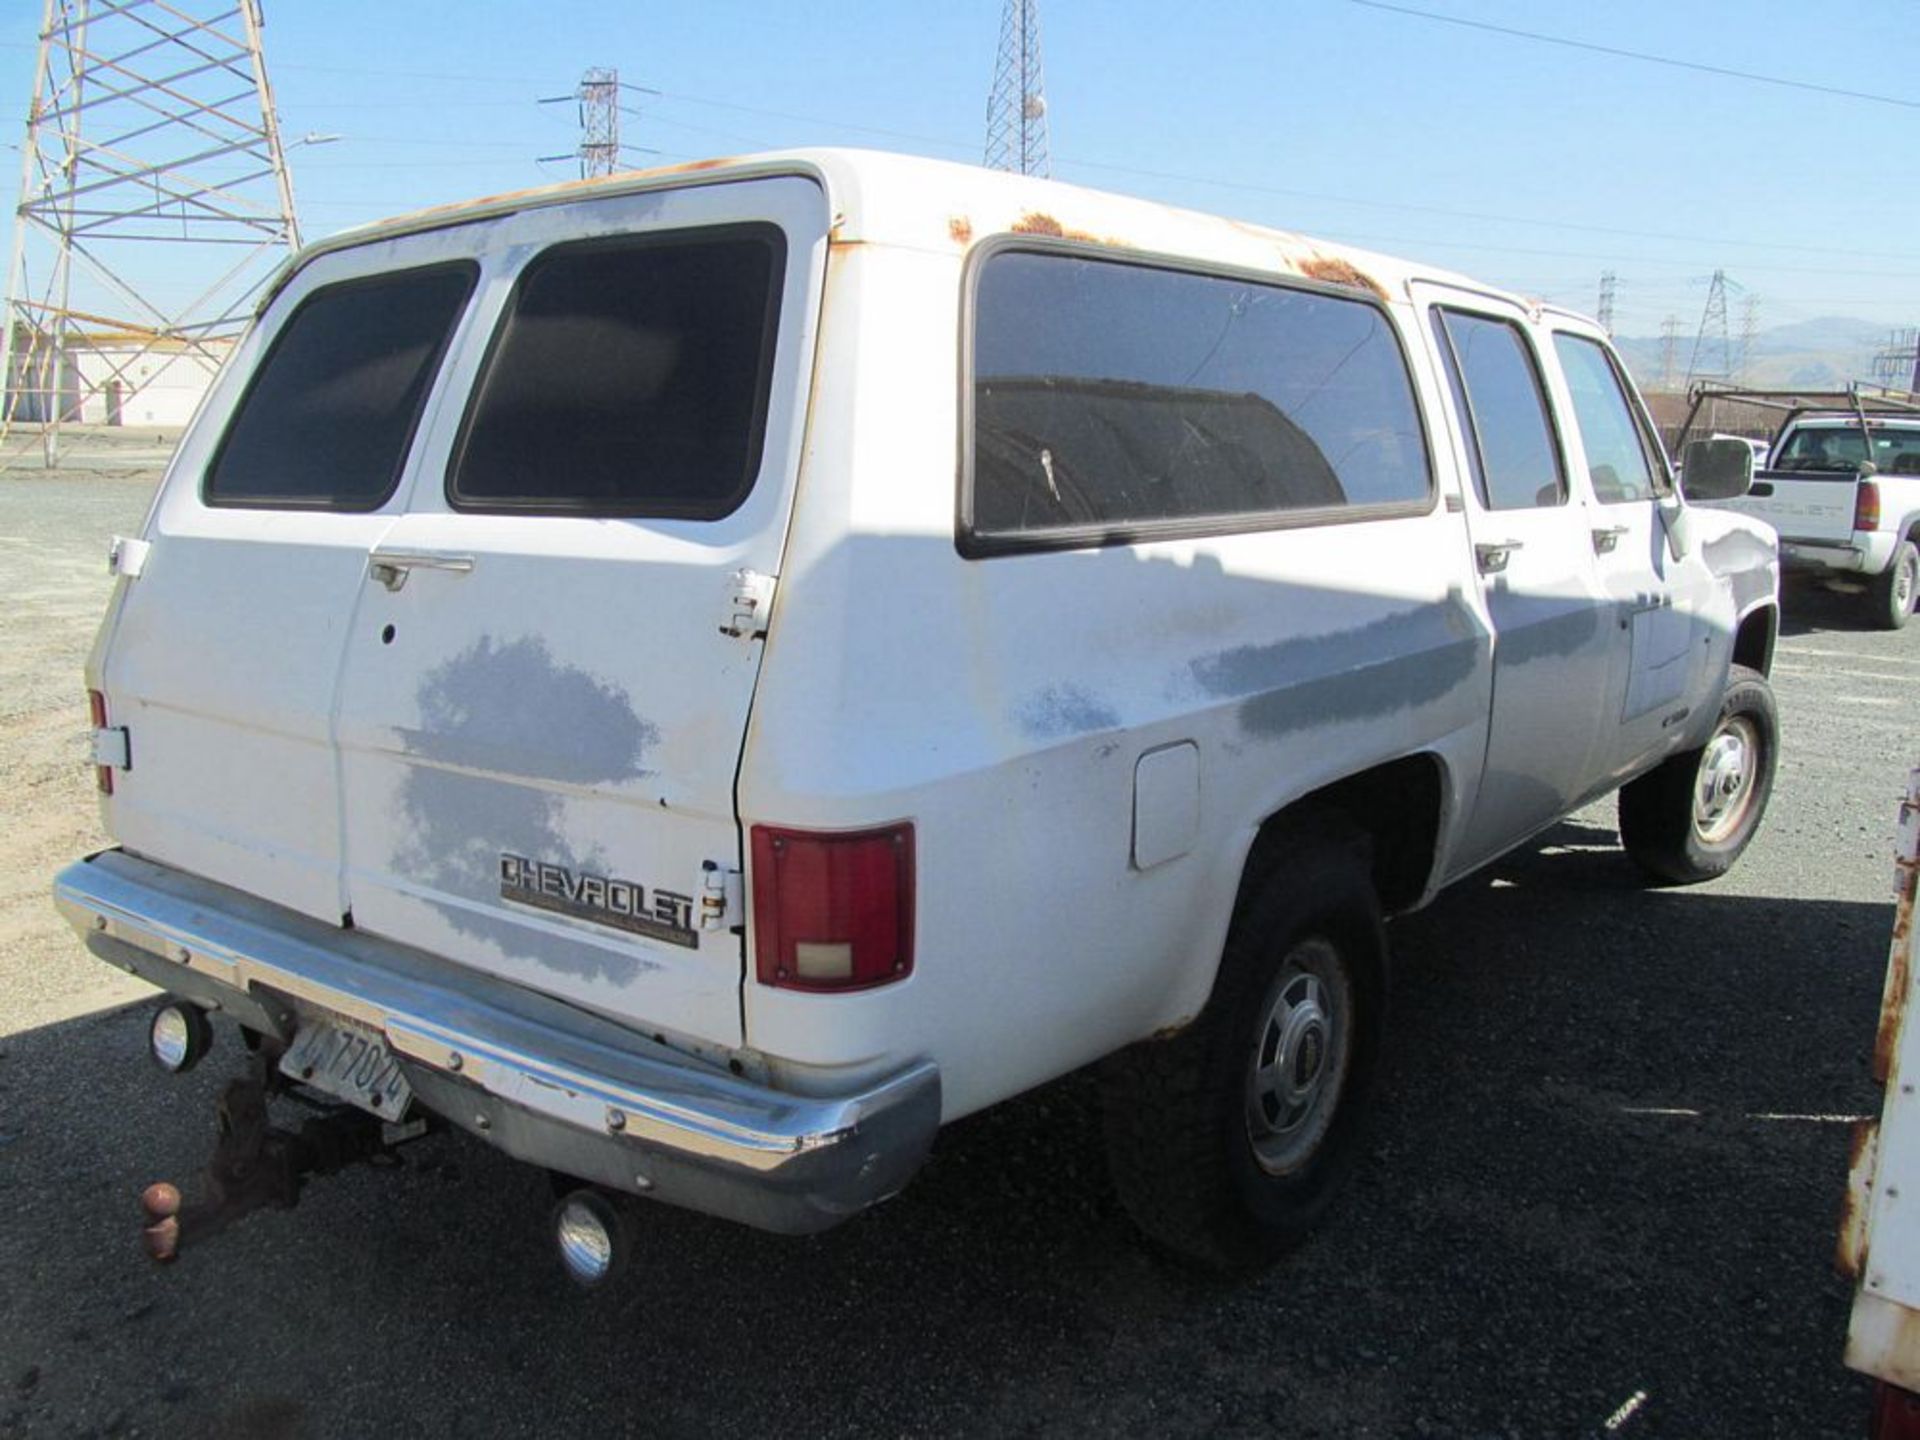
x: 350, y: 1064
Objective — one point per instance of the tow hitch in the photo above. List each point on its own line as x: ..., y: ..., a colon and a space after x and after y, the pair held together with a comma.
x: 255, y: 1166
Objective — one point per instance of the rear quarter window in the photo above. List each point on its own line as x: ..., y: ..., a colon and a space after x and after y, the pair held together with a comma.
x: 1113, y: 401
x: 628, y: 377
x: 329, y: 414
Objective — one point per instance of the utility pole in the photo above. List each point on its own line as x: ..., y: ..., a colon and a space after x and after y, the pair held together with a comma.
x: 1017, y: 106
x: 1669, y: 335
x: 1609, y: 285
x: 152, y: 126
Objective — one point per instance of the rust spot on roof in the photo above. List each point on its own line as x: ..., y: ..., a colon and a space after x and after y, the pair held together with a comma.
x: 1036, y: 222
x: 1341, y: 272
x: 960, y: 229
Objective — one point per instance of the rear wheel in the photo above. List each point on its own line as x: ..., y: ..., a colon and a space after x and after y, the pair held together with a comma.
x: 1689, y: 819
x: 1892, y: 594
x: 1228, y: 1141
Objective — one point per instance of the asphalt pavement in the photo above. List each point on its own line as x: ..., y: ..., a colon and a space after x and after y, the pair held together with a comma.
x: 1598, y: 1198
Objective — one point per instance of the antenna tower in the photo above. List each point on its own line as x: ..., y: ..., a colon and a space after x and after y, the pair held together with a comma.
x: 1749, y: 332
x: 1669, y: 336
x: 1017, y: 108
x: 1609, y: 285
x: 599, y: 100
x: 152, y: 125
x: 1712, y: 357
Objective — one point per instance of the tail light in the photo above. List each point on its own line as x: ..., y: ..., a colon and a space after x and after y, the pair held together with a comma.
x: 1866, y: 506
x: 832, y: 911
x: 97, y: 710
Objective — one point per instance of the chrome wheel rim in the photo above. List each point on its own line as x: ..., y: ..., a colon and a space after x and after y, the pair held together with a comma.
x: 1301, y: 1051
x: 1903, y: 587
x: 1723, y: 785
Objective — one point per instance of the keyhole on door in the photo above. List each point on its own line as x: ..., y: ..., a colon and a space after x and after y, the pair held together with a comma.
x: 386, y: 636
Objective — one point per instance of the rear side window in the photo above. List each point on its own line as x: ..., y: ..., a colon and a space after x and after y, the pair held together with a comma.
x: 1496, y: 389
x: 1620, y: 459
x: 628, y: 377
x: 327, y: 419
x: 1116, y: 401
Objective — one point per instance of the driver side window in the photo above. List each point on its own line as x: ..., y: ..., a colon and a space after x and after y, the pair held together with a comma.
x: 1621, y: 463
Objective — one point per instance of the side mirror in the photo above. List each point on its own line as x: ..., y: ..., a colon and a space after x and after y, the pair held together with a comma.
x: 1717, y: 470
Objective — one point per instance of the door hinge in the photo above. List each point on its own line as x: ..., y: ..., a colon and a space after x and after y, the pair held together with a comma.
x: 749, y: 599
x: 722, y: 897
x: 127, y: 557
x: 113, y: 748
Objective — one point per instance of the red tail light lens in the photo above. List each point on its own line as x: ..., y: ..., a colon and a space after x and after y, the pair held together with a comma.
x: 1866, y: 506
x: 97, y: 711
x: 832, y: 911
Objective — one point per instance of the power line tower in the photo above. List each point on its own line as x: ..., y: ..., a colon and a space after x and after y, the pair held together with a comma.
x: 1712, y: 357
x: 1669, y: 339
x: 1749, y: 332
x: 1609, y: 287
x: 152, y: 126
x: 601, y: 150
x: 1899, y: 364
x: 1017, y: 108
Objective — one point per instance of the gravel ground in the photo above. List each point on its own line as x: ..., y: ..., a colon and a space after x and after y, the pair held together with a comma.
x: 1599, y: 1197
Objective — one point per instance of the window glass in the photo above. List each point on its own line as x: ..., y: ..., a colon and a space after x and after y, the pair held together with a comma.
x: 1841, y: 447
x: 328, y: 417
x: 1117, y: 395
x: 1618, y: 461
x: 1510, y: 441
x: 628, y: 377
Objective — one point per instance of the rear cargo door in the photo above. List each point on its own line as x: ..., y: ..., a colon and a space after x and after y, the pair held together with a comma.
x: 541, y: 708
x: 222, y: 661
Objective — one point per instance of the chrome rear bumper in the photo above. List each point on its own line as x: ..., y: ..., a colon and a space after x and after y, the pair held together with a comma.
x: 545, y: 1082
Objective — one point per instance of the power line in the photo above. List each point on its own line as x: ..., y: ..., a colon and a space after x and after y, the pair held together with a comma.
x: 1642, y: 55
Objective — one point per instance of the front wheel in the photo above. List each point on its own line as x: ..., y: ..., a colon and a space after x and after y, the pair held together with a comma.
x: 1891, y: 595
x: 1688, y: 819
x: 1228, y: 1141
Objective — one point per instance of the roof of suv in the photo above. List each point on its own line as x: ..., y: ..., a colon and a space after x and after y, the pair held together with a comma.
x: 914, y: 202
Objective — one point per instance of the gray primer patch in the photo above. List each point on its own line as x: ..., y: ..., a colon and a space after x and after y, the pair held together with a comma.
x: 511, y: 710
x: 1061, y: 710
x: 1388, y: 665
x: 1743, y: 560
x: 1542, y: 627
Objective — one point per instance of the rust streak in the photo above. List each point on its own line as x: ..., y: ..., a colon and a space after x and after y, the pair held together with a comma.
x: 960, y: 230
x: 1849, y: 1251
x: 1036, y: 222
x: 1341, y: 272
x: 1893, y: 1000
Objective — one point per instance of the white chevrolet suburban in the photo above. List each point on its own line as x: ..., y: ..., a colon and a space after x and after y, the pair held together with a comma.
x: 701, y: 678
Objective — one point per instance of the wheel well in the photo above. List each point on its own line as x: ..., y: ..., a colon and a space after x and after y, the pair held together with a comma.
x: 1753, y: 642
x: 1396, y: 805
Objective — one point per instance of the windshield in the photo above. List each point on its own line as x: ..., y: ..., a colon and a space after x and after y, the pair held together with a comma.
x: 1895, y: 452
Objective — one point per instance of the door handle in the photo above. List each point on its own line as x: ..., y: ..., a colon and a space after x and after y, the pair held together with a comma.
x: 1606, y: 537
x: 391, y: 567
x: 1492, y: 558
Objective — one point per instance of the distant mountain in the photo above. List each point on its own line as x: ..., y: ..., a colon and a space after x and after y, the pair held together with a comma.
x: 1824, y: 353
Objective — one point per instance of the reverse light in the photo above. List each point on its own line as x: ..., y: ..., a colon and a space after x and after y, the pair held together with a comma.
x: 178, y: 1036
x: 832, y: 911
x: 1866, y: 506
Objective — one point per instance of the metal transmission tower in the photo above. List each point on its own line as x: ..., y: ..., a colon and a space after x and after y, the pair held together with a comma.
x: 1712, y: 357
x: 1017, y: 108
x: 1669, y: 336
x: 152, y: 125
x: 1749, y: 332
x: 599, y: 99
x: 1899, y: 364
x: 1609, y: 286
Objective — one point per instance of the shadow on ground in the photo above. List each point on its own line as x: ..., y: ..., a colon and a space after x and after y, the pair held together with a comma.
x: 1525, y: 1248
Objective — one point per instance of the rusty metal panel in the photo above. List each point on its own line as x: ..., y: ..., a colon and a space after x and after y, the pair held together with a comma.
x: 1880, y: 1231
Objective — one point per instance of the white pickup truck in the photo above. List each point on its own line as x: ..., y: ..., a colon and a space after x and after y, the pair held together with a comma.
x: 1842, y: 488
x: 701, y: 678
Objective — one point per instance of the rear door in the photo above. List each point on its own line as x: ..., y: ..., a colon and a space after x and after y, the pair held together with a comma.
x: 541, y: 711
x: 1551, y: 641
x: 223, y: 657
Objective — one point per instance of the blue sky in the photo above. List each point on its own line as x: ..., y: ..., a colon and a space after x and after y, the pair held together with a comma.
x: 1529, y: 164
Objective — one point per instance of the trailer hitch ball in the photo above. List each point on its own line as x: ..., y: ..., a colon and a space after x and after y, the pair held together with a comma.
x: 179, y: 1036
x: 592, y: 1237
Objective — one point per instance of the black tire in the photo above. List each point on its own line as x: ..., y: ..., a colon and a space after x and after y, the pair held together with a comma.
x: 1892, y: 594
x: 1207, y: 1154
x: 1689, y: 819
